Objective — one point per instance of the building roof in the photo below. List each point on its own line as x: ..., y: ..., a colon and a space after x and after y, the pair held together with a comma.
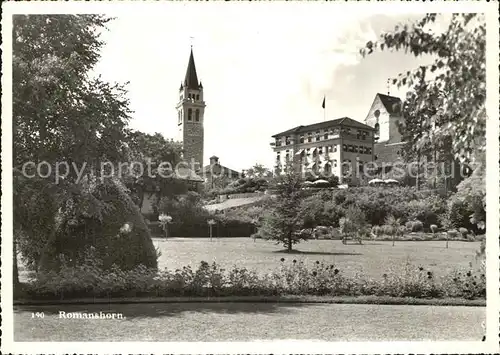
x: 184, y: 173
x: 344, y: 121
x: 392, y: 104
x: 224, y: 169
x: 191, y: 79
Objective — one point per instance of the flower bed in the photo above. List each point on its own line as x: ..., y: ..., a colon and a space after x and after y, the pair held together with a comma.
x: 291, y: 278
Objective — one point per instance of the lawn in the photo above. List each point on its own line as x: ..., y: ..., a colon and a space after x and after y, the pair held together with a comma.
x: 373, y: 258
x: 252, y: 321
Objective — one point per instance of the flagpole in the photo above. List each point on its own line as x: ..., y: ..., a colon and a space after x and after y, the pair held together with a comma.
x: 324, y: 108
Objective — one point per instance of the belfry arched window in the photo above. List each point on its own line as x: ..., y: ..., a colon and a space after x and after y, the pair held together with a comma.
x: 190, y: 114
x: 197, y: 115
x: 377, y: 129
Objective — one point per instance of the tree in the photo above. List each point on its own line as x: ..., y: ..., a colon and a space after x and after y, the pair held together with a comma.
x: 469, y: 202
x: 151, y: 169
x: 353, y: 225
x: 395, y: 224
x: 258, y: 171
x: 457, y: 90
x: 63, y: 115
x: 60, y: 113
x: 286, y: 216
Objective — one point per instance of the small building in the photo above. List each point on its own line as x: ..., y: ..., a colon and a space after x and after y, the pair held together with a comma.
x: 337, y: 147
x: 215, y: 170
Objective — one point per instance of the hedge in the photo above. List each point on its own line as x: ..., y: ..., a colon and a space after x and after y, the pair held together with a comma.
x: 231, y: 229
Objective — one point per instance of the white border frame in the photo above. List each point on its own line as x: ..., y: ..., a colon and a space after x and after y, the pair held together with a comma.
x: 289, y: 346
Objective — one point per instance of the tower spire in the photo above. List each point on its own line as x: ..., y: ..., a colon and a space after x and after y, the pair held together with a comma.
x: 191, y: 79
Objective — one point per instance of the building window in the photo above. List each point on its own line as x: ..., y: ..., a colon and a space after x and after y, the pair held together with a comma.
x: 369, y: 151
x: 334, y: 148
x: 398, y: 152
x: 309, y: 137
x: 344, y: 147
x: 197, y: 97
x: 377, y: 129
x: 352, y: 148
x: 301, y: 140
x: 325, y: 136
x: 287, y: 140
x: 278, y: 156
x: 197, y: 115
x: 320, y: 150
x: 376, y: 157
x: 190, y: 114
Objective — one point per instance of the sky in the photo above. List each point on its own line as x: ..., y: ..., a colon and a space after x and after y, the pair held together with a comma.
x: 262, y: 74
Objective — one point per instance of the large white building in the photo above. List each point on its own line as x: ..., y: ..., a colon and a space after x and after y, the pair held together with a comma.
x: 339, y: 147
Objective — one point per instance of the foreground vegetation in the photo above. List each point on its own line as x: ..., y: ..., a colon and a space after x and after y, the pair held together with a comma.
x: 292, y: 277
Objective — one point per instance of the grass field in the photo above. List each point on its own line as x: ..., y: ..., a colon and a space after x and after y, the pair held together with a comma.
x: 373, y: 258
x: 252, y: 321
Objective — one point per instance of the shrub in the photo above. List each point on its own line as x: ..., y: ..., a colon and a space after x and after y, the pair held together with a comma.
x: 434, y: 228
x: 388, y: 230
x: 105, y: 218
x: 417, y: 226
x: 409, y: 226
x: 452, y: 234
x: 377, y: 231
x: 427, y: 210
x: 463, y: 231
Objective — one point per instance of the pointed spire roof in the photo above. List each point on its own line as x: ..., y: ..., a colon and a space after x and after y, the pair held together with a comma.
x: 191, y: 79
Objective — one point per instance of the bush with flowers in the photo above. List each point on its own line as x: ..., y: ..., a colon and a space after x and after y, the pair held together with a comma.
x: 292, y: 277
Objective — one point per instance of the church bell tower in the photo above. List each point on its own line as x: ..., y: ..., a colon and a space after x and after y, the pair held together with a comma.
x: 190, y: 111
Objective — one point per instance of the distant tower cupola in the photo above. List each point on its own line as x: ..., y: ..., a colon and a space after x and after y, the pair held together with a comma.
x: 190, y: 112
x: 214, y: 160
